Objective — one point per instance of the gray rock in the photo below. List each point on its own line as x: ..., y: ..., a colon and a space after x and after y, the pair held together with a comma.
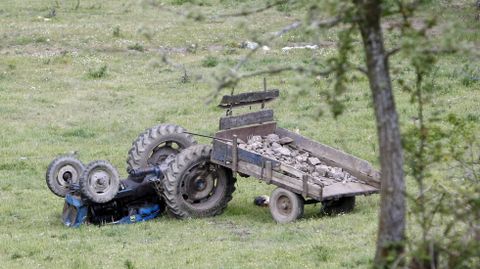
x: 272, y: 138
x: 336, y: 175
x: 336, y: 169
x: 276, y: 145
x: 285, y: 140
x: 321, y: 169
x: 250, y: 45
x: 313, y: 160
x: 303, y: 167
x: 255, y: 138
x: 256, y: 145
x: 302, y: 157
x: 282, y: 150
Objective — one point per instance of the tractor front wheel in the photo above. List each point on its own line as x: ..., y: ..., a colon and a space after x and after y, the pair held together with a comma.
x: 99, y: 182
x: 62, y: 172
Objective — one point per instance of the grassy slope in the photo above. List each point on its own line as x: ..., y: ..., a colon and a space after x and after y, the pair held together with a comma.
x: 49, y: 106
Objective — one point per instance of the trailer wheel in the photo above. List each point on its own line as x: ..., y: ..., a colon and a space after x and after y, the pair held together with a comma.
x: 99, y: 182
x: 342, y: 205
x: 155, y: 144
x: 194, y: 187
x: 62, y: 172
x: 285, y: 206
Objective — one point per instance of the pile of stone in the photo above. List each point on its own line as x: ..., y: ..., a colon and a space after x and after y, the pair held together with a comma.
x: 284, y: 150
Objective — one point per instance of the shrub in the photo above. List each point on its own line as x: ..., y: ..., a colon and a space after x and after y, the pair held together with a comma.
x: 97, y: 72
x: 137, y: 47
x: 209, y: 61
x: 116, y: 31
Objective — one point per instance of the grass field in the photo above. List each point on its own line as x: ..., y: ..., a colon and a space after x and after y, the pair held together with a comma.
x: 90, y: 79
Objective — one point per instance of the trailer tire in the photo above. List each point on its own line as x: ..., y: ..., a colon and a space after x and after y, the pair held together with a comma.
x: 286, y: 206
x: 340, y: 206
x: 194, y: 187
x: 156, y: 143
x: 62, y: 172
x: 99, y: 182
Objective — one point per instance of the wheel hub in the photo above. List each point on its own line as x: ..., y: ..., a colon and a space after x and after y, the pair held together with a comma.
x: 66, y: 175
x: 99, y: 181
x: 199, y: 184
x: 284, y: 205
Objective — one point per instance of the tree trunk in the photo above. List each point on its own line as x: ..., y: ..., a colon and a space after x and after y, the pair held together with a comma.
x: 391, y: 230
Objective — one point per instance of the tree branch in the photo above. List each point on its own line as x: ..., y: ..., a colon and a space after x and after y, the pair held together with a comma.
x: 277, y: 70
x: 232, y: 78
x: 185, y: 77
x: 361, y: 70
x: 287, y: 29
x: 393, y: 52
x: 326, y: 23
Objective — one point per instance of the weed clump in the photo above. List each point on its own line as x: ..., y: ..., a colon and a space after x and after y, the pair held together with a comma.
x: 25, y: 40
x: 129, y: 264
x: 116, y: 31
x: 96, y: 73
x: 181, y: 2
x: 210, y: 61
x: 470, y: 76
x: 16, y: 256
x: 79, y: 132
x: 137, y: 47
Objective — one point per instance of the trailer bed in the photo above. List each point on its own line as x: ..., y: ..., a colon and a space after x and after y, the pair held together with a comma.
x: 226, y: 152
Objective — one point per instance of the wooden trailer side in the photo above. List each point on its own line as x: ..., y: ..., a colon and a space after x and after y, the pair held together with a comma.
x: 263, y: 168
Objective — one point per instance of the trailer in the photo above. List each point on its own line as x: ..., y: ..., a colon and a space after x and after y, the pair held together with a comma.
x: 295, y: 187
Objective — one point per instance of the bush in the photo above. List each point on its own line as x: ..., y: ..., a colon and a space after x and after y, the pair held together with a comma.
x: 97, y: 72
x: 116, y: 31
x: 209, y: 61
x: 137, y: 47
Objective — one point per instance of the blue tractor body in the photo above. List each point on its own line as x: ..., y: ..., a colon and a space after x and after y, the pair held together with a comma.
x: 135, y: 201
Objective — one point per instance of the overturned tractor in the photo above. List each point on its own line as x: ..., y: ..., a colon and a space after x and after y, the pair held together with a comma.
x: 169, y: 170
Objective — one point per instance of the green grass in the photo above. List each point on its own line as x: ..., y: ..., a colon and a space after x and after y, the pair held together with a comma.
x: 77, y: 82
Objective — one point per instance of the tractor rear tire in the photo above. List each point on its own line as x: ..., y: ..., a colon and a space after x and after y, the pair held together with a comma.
x: 62, y: 172
x: 194, y: 187
x: 155, y: 144
x: 340, y: 206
